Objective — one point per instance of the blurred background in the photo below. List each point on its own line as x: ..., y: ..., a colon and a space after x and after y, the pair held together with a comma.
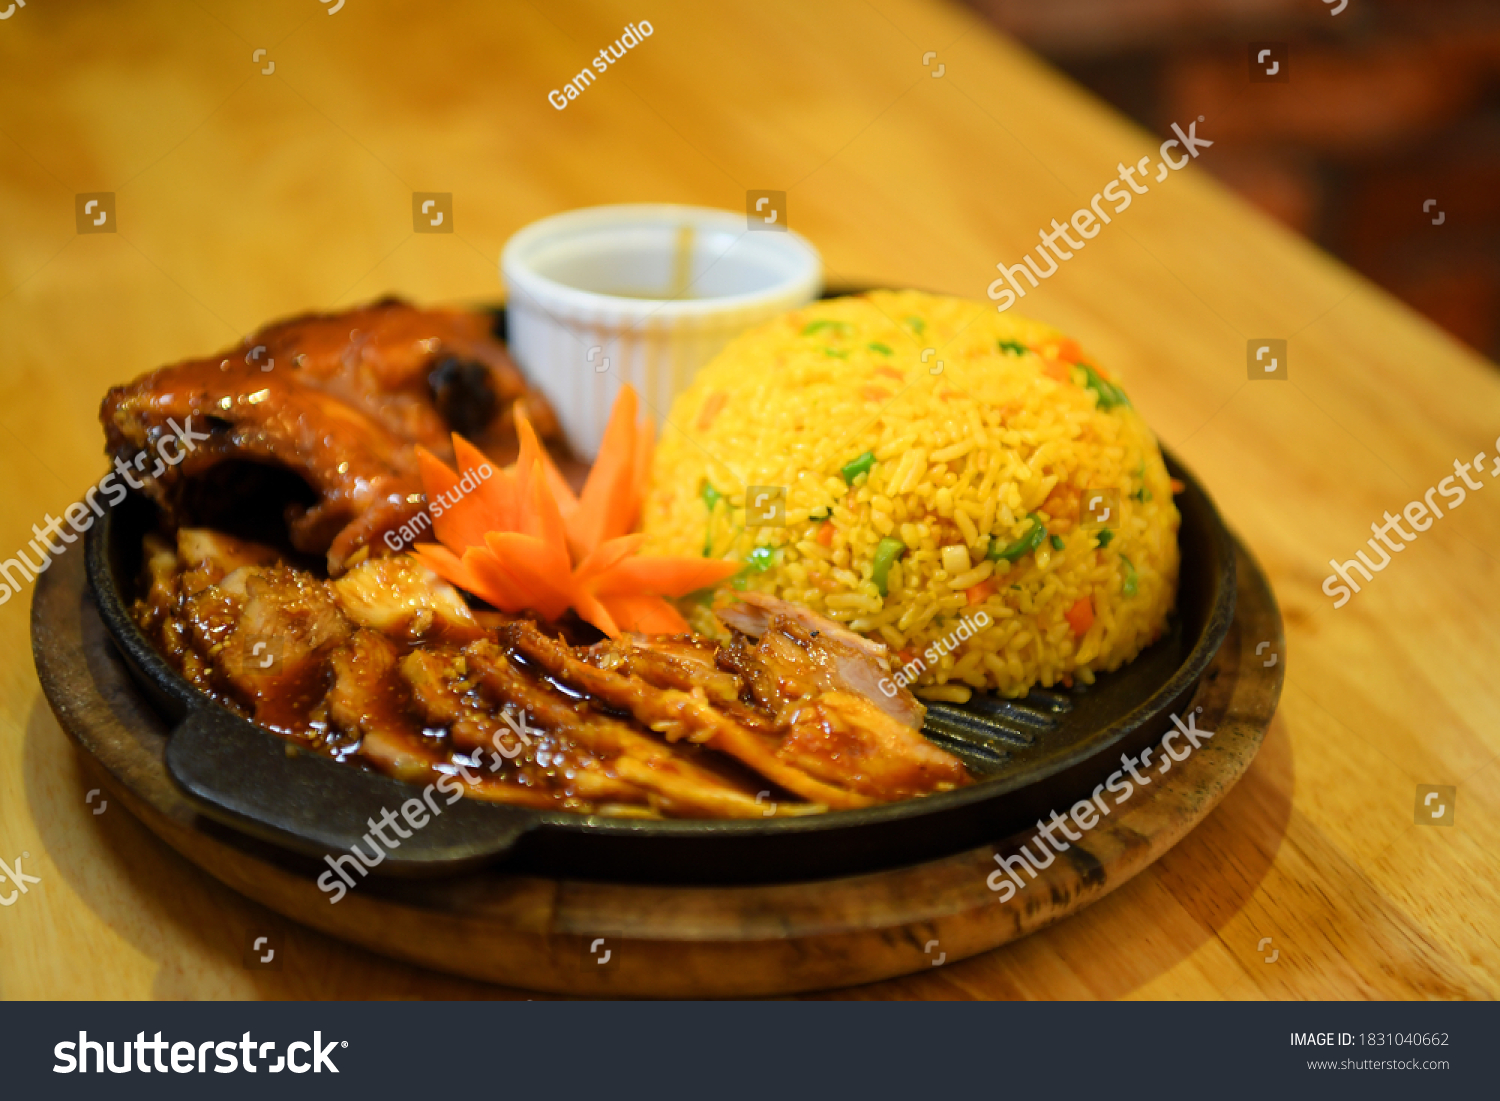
x: 1390, y: 103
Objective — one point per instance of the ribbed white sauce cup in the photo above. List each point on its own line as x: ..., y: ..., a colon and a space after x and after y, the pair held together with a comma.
x: 588, y: 306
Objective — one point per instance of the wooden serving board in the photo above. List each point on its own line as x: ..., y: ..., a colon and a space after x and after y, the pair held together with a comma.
x: 551, y: 935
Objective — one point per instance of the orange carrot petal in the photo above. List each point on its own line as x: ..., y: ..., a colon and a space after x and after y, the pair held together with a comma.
x: 540, y: 517
x: 524, y: 467
x: 621, y: 507
x: 591, y: 609
x: 459, y: 519
x: 500, y: 586
x: 532, y: 449
x: 649, y: 615
x: 562, y: 492
x: 477, y: 572
x: 606, y: 556
x: 496, y: 489
x: 541, y: 569
x: 447, y: 565
x: 469, y: 457
x: 517, y: 551
x: 537, y: 512
x: 607, y: 493
x: 664, y: 576
x: 504, y: 497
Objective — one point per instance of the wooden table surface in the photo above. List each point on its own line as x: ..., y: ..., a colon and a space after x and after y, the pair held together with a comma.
x: 243, y: 196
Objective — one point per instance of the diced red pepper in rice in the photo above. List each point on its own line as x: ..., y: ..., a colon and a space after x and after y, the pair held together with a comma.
x: 1080, y: 616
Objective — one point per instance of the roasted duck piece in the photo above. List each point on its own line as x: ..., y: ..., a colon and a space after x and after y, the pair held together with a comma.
x: 673, y: 713
x: 388, y: 667
x: 821, y: 684
x: 340, y: 400
x: 801, y: 654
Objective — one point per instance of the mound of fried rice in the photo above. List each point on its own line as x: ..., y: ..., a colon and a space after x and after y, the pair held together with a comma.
x: 934, y: 456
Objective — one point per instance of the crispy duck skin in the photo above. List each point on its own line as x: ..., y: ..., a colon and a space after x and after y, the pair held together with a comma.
x: 381, y: 360
x: 341, y: 400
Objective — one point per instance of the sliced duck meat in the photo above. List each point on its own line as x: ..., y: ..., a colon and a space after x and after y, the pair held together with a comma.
x: 682, y: 662
x: 800, y: 655
x: 846, y: 740
x: 674, y: 714
x: 387, y: 667
x: 678, y: 785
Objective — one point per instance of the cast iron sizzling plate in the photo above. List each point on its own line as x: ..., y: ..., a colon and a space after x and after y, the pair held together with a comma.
x: 1028, y: 757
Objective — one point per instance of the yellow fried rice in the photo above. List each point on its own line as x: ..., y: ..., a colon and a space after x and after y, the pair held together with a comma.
x: 941, y: 464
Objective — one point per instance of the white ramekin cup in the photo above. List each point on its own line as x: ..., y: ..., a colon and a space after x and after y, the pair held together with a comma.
x: 578, y: 336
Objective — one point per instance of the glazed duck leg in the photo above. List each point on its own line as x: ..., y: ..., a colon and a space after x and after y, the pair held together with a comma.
x: 339, y: 400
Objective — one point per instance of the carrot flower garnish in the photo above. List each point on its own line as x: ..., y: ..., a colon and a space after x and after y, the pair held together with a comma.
x: 521, y: 540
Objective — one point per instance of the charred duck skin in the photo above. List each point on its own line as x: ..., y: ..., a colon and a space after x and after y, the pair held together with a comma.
x: 341, y: 401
